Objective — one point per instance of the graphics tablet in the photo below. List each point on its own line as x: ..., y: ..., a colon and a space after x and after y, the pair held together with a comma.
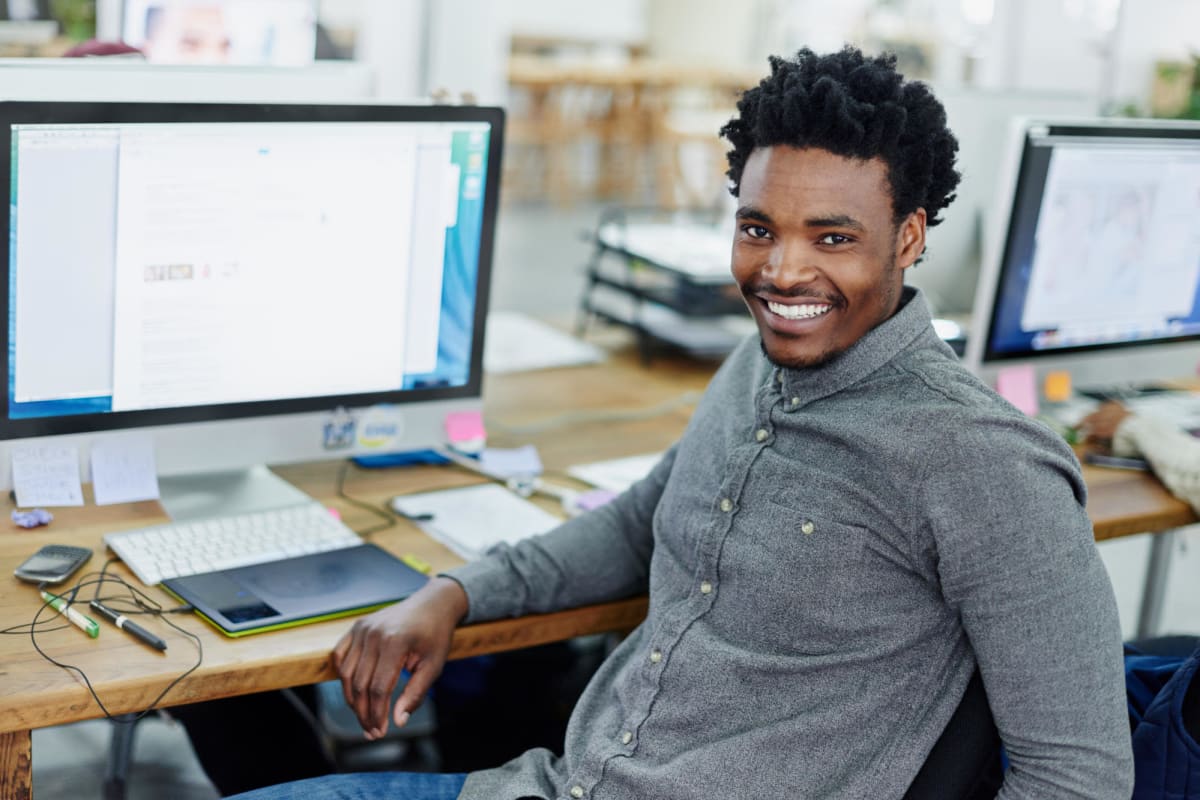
x: 293, y: 591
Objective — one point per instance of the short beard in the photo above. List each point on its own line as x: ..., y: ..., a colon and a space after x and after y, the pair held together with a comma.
x: 820, y: 360
x: 890, y: 301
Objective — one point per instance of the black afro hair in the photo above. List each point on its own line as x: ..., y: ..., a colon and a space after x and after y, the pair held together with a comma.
x: 854, y: 106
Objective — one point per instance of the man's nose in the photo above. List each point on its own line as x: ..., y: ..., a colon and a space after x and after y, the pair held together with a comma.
x: 791, y: 265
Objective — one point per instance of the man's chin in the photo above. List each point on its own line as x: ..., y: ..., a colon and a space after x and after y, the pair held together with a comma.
x: 791, y: 360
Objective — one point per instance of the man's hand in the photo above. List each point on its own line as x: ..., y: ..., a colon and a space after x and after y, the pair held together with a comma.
x: 415, y: 635
x: 1101, y: 425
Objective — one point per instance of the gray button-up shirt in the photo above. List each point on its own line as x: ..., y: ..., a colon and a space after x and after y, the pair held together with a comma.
x: 829, y: 553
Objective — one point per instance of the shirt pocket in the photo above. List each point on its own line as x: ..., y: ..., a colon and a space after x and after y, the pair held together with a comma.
x: 815, y: 593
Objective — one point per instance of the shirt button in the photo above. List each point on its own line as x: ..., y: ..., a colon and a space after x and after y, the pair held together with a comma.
x: 705, y: 587
x: 726, y: 504
x: 760, y: 434
x: 576, y: 792
x: 626, y: 737
x: 807, y: 527
x: 655, y: 656
x: 795, y: 402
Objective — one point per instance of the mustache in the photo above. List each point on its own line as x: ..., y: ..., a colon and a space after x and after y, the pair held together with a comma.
x: 753, y: 288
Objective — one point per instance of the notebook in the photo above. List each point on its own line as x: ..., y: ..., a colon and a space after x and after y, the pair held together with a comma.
x: 295, y: 591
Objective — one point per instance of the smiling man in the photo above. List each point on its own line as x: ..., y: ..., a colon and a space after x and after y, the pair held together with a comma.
x: 851, y: 527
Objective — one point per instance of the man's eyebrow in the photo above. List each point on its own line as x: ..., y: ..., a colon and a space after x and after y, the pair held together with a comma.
x: 834, y: 221
x: 750, y: 212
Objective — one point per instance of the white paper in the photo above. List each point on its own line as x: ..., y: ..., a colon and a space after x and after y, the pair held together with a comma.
x: 123, y: 469
x: 473, y: 519
x: 517, y: 462
x: 516, y: 343
x: 46, y: 475
x: 701, y: 252
x: 618, y: 474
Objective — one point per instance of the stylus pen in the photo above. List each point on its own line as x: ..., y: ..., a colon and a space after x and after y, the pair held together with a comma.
x: 81, y: 620
x: 129, y: 626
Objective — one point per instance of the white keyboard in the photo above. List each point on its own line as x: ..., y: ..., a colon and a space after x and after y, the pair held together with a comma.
x: 178, y: 549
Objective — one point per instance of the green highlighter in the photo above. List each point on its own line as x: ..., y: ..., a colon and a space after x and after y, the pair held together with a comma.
x: 81, y: 620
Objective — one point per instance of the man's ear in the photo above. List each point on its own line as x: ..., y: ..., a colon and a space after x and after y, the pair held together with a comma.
x: 910, y: 239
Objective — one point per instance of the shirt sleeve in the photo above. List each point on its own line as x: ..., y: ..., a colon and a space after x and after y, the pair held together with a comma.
x: 599, y: 556
x: 1172, y: 452
x: 1019, y: 563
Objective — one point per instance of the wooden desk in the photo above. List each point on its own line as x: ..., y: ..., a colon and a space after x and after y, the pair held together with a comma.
x: 128, y: 675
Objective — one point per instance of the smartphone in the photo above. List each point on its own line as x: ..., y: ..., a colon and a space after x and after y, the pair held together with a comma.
x: 53, y: 563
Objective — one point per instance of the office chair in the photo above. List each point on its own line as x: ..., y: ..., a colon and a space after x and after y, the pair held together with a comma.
x: 964, y: 763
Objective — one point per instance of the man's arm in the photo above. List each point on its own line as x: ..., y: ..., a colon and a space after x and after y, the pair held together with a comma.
x: 1017, y: 558
x: 599, y: 556
x: 602, y: 555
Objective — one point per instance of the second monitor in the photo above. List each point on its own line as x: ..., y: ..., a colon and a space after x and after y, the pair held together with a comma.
x: 1098, y: 273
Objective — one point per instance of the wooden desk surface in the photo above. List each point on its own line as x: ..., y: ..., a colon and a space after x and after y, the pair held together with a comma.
x: 127, y: 675
x: 571, y: 411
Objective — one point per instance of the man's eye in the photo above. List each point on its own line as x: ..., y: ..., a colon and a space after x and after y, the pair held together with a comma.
x: 756, y: 231
x: 834, y: 238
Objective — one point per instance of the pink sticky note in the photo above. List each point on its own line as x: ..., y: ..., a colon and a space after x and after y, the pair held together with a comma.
x: 465, y: 426
x: 1018, y: 385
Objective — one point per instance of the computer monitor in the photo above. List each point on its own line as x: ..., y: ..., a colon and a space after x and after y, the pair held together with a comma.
x: 249, y: 284
x: 948, y: 273
x: 247, y: 32
x: 1098, y: 272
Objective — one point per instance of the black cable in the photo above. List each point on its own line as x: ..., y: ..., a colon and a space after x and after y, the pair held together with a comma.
x: 388, y: 518
x: 144, y: 604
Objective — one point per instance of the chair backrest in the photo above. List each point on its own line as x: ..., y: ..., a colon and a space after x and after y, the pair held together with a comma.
x: 964, y: 763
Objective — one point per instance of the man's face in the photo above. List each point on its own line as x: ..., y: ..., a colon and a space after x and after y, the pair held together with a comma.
x: 817, y: 253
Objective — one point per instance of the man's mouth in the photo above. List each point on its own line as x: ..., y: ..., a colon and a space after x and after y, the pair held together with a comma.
x: 798, y: 311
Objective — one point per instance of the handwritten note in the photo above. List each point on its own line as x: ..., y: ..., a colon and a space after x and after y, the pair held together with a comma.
x: 123, y: 469
x: 46, y: 475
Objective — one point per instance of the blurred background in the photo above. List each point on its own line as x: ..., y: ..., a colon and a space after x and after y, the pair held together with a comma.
x: 612, y: 108
x: 619, y: 102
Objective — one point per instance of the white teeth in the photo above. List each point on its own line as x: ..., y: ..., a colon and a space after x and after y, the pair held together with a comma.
x: 798, y: 312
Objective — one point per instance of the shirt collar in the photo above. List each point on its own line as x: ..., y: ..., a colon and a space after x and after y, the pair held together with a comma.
x: 879, y: 346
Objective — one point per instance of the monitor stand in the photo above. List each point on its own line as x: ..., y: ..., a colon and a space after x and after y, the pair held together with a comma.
x: 219, y: 494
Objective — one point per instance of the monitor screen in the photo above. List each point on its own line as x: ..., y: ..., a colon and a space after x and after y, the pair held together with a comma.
x: 1099, y: 268
x: 248, y: 32
x: 181, y: 265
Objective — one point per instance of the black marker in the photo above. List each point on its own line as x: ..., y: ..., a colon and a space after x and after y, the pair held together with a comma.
x: 124, y: 623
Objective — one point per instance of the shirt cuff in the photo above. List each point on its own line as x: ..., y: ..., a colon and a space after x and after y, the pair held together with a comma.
x: 488, y: 584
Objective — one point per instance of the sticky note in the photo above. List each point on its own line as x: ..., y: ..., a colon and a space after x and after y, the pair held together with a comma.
x: 1057, y: 387
x: 123, y: 469
x: 1018, y: 386
x: 464, y: 430
x: 46, y: 475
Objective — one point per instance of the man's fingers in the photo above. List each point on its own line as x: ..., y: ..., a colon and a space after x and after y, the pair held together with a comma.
x: 379, y: 698
x: 347, y: 664
x: 419, y: 680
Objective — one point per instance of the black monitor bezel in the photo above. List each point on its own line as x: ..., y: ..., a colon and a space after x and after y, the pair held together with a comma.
x: 1117, y: 129
x: 66, y: 113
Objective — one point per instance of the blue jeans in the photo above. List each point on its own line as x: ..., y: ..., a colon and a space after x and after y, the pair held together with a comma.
x: 366, y: 786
